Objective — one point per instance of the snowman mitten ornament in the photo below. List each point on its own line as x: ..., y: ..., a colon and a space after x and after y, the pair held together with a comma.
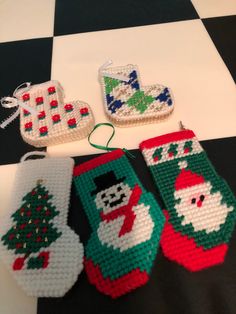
x: 201, y: 208
x: 43, y: 254
x: 127, y: 102
x: 45, y: 119
x: 126, y: 224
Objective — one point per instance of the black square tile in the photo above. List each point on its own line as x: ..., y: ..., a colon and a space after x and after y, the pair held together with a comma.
x: 223, y: 33
x: 22, y: 61
x: 73, y: 16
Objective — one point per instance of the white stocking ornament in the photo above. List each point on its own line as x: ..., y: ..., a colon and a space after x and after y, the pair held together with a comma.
x: 43, y: 254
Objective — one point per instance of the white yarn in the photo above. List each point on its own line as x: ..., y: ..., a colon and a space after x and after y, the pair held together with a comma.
x: 103, y: 72
x: 127, y: 115
x: 183, y: 164
x: 58, y: 132
x: 66, y: 253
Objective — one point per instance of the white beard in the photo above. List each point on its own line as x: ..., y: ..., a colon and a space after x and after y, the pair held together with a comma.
x: 210, y: 216
x: 108, y: 232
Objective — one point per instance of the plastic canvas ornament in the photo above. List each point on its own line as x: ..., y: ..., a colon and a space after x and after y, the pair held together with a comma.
x: 42, y: 253
x: 126, y: 224
x: 46, y: 119
x: 127, y: 102
x: 201, y: 209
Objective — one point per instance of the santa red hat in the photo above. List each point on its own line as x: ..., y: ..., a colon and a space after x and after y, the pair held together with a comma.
x: 187, y: 178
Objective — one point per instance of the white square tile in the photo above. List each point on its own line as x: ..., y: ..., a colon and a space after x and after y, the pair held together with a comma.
x: 26, y: 19
x: 179, y: 55
x: 211, y: 8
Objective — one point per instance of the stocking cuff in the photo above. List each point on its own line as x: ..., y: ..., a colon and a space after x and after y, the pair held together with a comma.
x: 170, y: 146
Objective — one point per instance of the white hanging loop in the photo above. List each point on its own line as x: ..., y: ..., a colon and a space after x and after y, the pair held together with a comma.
x: 11, y: 102
x: 34, y: 153
x: 102, y: 72
x: 22, y: 90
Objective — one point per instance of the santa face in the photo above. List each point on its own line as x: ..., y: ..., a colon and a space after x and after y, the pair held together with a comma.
x: 201, y: 208
x: 114, y: 197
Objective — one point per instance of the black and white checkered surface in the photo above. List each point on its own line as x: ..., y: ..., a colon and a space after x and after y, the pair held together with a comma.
x: 190, y: 46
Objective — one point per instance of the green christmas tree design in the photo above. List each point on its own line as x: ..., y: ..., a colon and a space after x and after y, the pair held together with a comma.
x: 32, y: 229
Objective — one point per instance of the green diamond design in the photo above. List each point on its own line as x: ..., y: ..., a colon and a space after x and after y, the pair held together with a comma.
x: 110, y: 83
x: 140, y: 101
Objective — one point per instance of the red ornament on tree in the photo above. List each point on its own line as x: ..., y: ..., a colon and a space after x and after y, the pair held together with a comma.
x: 19, y: 245
x: 11, y: 236
x: 23, y: 226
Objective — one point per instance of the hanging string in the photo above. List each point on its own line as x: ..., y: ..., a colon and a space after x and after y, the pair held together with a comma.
x: 106, y: 148
x: 182, y: 126
x: 34, y: 153
x: 11, y: 102
x: 102, y: 72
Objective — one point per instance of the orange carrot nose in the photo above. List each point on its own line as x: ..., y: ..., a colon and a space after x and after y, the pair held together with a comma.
x: 199, y: 203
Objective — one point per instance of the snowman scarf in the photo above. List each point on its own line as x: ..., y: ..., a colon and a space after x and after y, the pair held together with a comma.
x: 126, y: 210
x: 126, y: 224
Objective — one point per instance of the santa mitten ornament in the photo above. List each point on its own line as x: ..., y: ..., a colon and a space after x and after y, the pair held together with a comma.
x: 127, y: 102
x: 126, y: 224
x: 43, y: 254
x: 200, y: 206
x: 45, y: 119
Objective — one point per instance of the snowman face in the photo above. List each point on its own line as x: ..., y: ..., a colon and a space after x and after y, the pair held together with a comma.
x: 114, y: 197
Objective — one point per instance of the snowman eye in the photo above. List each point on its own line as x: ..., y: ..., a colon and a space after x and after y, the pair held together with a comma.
x: 119, y: 188
x: 193, y: 201
x: 103, y: 195
x: 202, y: 197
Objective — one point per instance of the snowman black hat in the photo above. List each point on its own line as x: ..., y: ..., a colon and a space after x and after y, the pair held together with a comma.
x: 105, y: 181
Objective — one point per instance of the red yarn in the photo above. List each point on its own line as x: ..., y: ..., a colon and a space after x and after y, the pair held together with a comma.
x: 18, y: 263
x: 184, y: 250
x: 125, y: 210
x: 167, y: 138
x: 103, y: 159
x: 116, y: 287
x: 186, y: 179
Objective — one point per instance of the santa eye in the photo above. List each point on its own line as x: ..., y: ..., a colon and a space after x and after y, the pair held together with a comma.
x: 202, y: 197
x: 193, y: 201
x: 119, y: 188
x: 103, y: 195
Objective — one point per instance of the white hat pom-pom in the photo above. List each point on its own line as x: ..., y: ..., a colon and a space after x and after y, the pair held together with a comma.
x: 182, y: 164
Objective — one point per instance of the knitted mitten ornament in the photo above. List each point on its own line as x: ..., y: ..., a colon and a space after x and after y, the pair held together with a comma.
x: 127, y: 102
x: 43, y: 254
x: 200, y: 206
x: 126, y: 223
x: 45, y: 119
